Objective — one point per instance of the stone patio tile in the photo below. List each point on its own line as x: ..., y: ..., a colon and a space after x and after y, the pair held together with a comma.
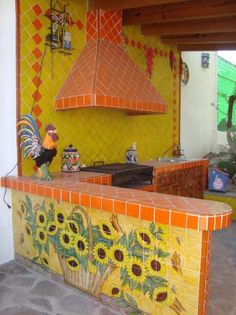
x: 20, y: 281
x: 48, y: 288
x: 43, y: 303
x: 13, y: 268
x: 21, y: 310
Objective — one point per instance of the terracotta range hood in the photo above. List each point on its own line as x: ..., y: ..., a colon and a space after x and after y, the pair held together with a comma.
x: 104, y: 75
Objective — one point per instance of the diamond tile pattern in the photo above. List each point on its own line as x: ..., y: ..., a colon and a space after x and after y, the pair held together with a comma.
x: 105, y: 25
x: 99, y: 134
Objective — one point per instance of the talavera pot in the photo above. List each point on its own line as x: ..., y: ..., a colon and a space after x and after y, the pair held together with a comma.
x: 70, y: 160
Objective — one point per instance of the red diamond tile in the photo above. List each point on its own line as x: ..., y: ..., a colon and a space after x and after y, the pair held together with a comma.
x: 37, y: 10
x: 38, y: 122
x: 161, y: 53
x: 126, y: 40
x: 37, y: 53
x: 139, y: 45
x: 36, y: 95
x: 37, y: 38
x: 132, y: 43
x: 36, y: 66
x: 37, y: 82
x: 37, y: 24
x: 79, y: 24
x: 37, y: 110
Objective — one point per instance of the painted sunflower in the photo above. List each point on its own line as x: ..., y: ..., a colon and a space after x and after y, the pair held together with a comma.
x: 107, y: 230
x: 73, y: 226
x: 101, y: 253
x: 145, y: 238
x: 155, y: 266
x: 41, y: 236
x: 65, y: 239
x: 60, y: 218
x: 115, y: 292
x: 161, y: 295
x: 136, y: 270
x: 45, y: 261
x: 41, y: 218
x: 72, y: 263
x: 81, y: 245
x: 52, y: 228
x: 119, y: 255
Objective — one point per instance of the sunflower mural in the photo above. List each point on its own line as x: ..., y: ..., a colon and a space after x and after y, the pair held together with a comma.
x: 90, y: 253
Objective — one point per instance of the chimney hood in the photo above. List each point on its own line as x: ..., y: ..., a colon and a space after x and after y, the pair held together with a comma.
x: 104, y: 75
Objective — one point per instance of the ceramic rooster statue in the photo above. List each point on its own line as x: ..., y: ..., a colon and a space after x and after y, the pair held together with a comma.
x: 42, y: 151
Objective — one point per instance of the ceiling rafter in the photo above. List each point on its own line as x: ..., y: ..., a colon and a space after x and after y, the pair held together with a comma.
x: 206, y: 47
x: 126, y: 4
x: 180, y: 11
x: 199, y: 38
x: 217, y: 25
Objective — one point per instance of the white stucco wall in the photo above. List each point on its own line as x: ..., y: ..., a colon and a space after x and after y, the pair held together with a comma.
x: 198, y: 132
x: 7, y: 120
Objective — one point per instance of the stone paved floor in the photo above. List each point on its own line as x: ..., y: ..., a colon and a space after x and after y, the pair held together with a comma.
x: 25, y: 291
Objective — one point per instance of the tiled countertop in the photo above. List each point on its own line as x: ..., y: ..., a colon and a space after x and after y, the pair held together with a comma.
x: 164, y: 166
x: 161, y: 208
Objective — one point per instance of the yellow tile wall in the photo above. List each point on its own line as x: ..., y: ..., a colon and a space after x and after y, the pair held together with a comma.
x: 98, y: 134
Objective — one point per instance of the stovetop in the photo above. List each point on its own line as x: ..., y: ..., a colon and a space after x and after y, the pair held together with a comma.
x: 125, y: 175
x: 115, y: 168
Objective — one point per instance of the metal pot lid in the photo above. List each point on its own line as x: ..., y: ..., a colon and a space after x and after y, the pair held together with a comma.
x: 70, y: 149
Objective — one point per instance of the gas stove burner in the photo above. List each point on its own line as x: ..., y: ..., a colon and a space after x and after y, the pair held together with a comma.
x: 125, y: 175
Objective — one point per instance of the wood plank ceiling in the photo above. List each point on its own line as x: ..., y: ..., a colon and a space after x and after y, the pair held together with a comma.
x: 192, y: 25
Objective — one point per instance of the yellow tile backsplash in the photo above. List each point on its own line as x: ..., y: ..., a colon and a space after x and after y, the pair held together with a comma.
x: 99, y: 134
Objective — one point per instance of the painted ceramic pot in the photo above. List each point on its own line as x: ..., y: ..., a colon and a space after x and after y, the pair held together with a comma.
x: 131, y: 156
x: 70, y: 160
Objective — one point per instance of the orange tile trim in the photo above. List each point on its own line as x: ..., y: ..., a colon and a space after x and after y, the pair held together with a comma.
x: 204, y: 273
x: 139, y: 204
x: 81, y: 101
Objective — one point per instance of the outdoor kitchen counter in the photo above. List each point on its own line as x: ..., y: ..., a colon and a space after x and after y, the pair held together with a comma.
x: 92, y: 190
x: 108, y: 224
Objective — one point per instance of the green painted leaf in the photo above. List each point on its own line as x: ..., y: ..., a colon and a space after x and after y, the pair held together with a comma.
x: 131, y: 301
x: 35, y: 259
x: 130, y: 239
x: 46, y: 248
x: 123, y: 304
x: 123, y: 240
x: 43, y: 206
x: 152, y: 227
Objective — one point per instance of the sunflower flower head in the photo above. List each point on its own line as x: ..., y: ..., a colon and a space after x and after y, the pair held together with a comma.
x: 41, y: 218
x: 52, y: 228
x: 65, y: 239
x: 161, y: 295
x: 136, y: 270
x: 81, y: 245
x: 145, y: 238
x: 101, y: 253
x: 72, y: 263
x: 41, y: 236
x: 107, y: 230
x: 155, y: 266
x: 60, y: 218
x: 119, y: 255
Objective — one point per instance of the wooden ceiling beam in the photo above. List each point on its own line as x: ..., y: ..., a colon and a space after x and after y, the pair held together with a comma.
x: 126, y: 4
x: 180, y: 11
x: 200, y: 38
x: 207, y: 47
x: 190, y: 27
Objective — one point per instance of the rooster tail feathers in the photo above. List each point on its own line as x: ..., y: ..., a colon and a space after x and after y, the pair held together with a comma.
x: 30, y: 137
